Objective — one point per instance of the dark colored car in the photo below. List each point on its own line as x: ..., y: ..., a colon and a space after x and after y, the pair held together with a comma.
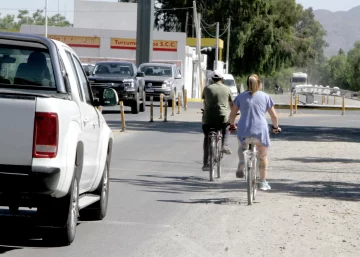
x: 162, y: 78
x: 124, y: 78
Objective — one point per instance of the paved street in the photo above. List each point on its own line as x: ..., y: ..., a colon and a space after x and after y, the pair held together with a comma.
x: 162, y: 204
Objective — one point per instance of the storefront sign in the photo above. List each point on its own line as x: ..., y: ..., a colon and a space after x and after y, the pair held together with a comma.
x: 78, y: 41
x: 130, y: 44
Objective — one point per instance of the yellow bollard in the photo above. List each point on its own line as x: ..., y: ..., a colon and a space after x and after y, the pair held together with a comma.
x: 327, y: 99
x: 151, y: 109
x: 179, y: 102
x: 343, y: 105
x: 185, y: 99
x: 322, y: 99
x: 161, y: 106
x: 122, y: 112
x: 291, y: 105
x: 165, y: 111
x: 173, y: 105
x: 296, y: 103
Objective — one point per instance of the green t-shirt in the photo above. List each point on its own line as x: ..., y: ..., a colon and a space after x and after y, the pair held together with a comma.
x: 216, y: 104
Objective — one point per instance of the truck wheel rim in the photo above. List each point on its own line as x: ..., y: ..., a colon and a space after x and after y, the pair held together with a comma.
x: 105, y: 188
x: 74, y: 207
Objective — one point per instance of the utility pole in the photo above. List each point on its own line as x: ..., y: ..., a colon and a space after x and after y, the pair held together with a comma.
x: 46, y: 18
x: 197, y: 21
x: 199, y: 51
x: 228, y: 47
x: 186, y: 23
x: 144, y: 32
x: 217, y: 47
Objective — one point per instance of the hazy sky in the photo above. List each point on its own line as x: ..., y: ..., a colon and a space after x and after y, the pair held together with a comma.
x: 66, y: 7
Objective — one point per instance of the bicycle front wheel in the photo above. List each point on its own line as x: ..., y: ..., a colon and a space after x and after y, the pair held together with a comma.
x: 249, y: 185
x: 212, y: 153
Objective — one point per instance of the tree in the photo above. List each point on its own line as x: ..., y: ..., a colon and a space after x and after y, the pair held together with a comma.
x: 354, y: 66
x: 9, y: 22
x: 267, y: 35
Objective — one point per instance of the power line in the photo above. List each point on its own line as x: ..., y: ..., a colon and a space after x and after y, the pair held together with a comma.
x: 76, y: 11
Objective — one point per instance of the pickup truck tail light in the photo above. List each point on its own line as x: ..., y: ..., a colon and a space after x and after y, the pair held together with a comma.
x: 46, y: 133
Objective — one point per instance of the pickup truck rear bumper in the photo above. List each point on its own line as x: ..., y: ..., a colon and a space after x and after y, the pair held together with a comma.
x: 28, y: 179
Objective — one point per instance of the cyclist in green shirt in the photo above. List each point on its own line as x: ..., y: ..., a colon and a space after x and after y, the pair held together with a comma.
x: 218, y: 101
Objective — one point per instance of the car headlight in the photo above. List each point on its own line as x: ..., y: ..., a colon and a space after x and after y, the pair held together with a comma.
x: 128, y: 84
x: 165, y: 85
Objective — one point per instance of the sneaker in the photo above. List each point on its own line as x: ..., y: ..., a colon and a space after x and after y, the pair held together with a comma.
x: 206, y: 167
x: 226, y: 150
x: 240, y: 174
x: 264, y: 185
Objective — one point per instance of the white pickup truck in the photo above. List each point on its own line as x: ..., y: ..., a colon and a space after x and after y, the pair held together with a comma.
x: 55, y: 145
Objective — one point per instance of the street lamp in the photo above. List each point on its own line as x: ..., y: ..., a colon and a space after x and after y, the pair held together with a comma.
x: 46, y: 18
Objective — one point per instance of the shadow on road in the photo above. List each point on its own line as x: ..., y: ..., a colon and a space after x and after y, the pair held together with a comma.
x: 343, y: 191
x: 289, y: 133
x: 321, y: 159
x: 181, y: 184
x: 317, y: 134
x: 167, y: 127
x: 21, y: 231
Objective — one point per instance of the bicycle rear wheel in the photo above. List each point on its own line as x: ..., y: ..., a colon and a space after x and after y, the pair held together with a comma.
x: 255, y: 174
x: 212, y: 154
x: 250, y: 185
x: 218, y: 156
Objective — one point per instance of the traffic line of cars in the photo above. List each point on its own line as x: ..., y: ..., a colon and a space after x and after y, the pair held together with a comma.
x: 135, y: 85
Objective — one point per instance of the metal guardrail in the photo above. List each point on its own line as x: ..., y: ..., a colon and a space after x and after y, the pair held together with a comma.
x: 325, y: 91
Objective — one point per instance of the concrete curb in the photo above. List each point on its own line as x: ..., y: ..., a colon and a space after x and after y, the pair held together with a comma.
x: 194, y: 100
x: 318, y: 107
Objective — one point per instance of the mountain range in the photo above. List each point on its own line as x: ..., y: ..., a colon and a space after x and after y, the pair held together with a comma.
x: 343, y: 28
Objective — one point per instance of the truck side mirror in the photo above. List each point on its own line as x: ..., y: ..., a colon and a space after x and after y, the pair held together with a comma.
x: 110, y: 97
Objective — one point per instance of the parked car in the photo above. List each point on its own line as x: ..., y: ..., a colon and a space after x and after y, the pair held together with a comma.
x: 124, y: 79
x: 88, y: 68
x: 56, y: 147
x: 162, y: 78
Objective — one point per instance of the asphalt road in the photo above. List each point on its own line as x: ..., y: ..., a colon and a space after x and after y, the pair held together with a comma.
x: 157, y: 187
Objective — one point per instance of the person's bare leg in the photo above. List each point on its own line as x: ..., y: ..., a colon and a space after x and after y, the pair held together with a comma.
x: 263, y: 161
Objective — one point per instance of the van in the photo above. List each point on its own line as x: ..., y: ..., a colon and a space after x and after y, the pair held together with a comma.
x: 230, y: 82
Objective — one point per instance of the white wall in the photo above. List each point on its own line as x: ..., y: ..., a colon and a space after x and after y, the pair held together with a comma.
x: 105, y: 50
x: 105, y: 15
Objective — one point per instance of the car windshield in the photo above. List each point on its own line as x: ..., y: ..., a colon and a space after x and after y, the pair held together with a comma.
x: 25, y: 66
x: 299, y: 80
x: 109, y: 69
x: 229, y: 82
x: 163, y: 71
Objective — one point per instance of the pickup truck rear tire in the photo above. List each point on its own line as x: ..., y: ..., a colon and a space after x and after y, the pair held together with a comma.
x: 97, y: 211
x: 143, y: 104
x: 65, y: 211
x: 135, y: 106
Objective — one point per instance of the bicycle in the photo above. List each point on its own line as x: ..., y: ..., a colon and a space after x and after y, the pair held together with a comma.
x: 215, y: 152
x: 252, y: 174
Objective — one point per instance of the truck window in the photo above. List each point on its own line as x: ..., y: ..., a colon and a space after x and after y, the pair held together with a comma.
x: 72, y: 64
x: 22, y: 65
x: 83, y: 81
